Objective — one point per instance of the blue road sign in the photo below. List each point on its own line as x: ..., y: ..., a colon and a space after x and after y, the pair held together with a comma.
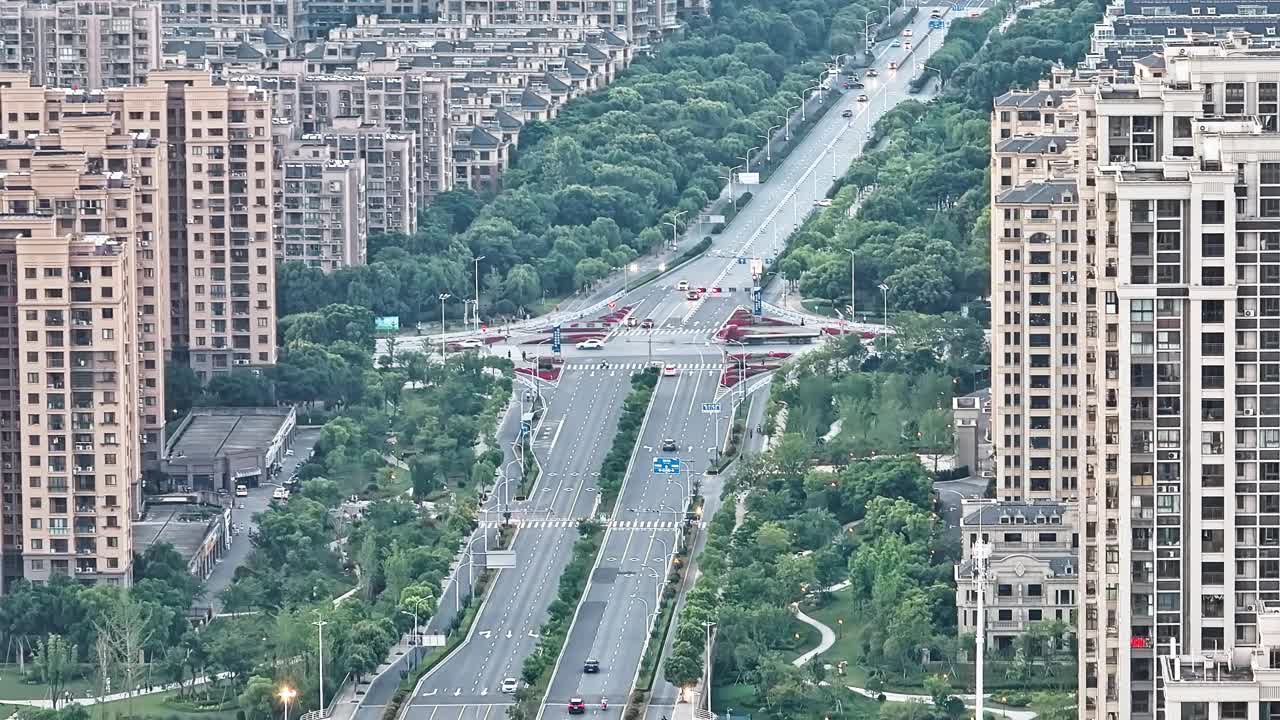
x: 666, y: 466
x: 742, y: 260
x: 936, y: 24
x: 710, y: 408
x: 555, y: 339
x: 524, y: 427
x: 757, y: 302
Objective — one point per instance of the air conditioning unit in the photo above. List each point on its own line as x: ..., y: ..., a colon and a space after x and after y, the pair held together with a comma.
x: 1248, y: 313
x: 242, y: 362
x: 1249, y: 411
x: 1170, y: 455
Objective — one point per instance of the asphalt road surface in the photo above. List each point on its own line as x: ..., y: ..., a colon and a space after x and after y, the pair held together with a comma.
x: 576, y: 432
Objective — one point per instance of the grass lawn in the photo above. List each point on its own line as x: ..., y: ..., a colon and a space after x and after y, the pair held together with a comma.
x: 848, y: 635
x: 13, y: 686
x: 154, y: 706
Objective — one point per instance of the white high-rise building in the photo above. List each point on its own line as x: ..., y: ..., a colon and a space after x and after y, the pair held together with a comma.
x: 1136, y: 367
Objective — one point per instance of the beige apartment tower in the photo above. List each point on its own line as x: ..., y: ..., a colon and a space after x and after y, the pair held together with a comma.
x: 222, y: 263
x: 81, y: 44
x: 82, y: 206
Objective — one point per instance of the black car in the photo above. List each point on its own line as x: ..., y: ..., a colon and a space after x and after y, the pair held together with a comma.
x: 872, y: 72
x: 591, y: 666
x: 669, y: 445
x: 847, y: 113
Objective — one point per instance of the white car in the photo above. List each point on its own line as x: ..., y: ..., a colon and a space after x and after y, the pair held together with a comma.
x: 242, y: 491
x: 592, y: 344
x: 510, y: 685
x: 669, y: 369
x: 906, y: 46
x: 906, y: 33
x: 280, y: 494
x: 682, y: 285
x: 288, y: 453
x: 471, y: 344
x: 824, y: 202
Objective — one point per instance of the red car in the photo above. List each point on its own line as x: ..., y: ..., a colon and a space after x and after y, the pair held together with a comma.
x: 577, y: 707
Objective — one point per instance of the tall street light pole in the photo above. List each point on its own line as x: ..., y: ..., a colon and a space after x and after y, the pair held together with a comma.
x: 320, y: 623
x: 884, y: 290
x: 444, y: 353
x: 853, y: 283
x: 477, y: 304
x: 286, y: 694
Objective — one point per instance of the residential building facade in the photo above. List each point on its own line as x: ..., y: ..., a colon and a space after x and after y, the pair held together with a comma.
x: 319, y: 207
x: 1136, y: 344
x: 82, y: 222
x: 81, y: 44
x: 1031, y: 575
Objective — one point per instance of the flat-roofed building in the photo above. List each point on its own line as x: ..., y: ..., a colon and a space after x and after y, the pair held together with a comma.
x: 80, y: 43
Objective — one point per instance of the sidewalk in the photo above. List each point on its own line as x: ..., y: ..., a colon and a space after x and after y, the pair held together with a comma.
x: 113, y: 697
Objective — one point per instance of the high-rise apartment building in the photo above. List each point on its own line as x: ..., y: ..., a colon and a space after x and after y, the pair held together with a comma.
x: 221, y: 249
x: 80, y: 43
x: 319, y: 207
x: 389, y: 168
x: 1136, y: 366
x: 83, y: 221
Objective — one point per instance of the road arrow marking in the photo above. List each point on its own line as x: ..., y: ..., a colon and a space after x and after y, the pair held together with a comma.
x: 457, y: 692
x: 429, y: 694
x: 484, y: 692
x: 508, y: 634
x: 486, y: 634
x: 534, y: 635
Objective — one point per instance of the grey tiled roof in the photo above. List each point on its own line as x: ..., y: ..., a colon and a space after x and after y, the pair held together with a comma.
x: 1031, y: 98
x: 991, y: 514
x: 1040, y: 193
x: 1034, y: 143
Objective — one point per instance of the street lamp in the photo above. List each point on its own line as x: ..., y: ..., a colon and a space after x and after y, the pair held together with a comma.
x: 866, y: 31
x: 803, y: 117
x: 628, y: 268
x: 747, y: 157
x: 647, y: 610
x: 853, y: 283
x: 787, y: 119
x: 477, y: 305
x: 884, y: 290
x: 417, y: 638
x: 320, y: 623
x: 286, y: 694
x: 768, y: 143
x: 822, y: 92
x: 443, y: 351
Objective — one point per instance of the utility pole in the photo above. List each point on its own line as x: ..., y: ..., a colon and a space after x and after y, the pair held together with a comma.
x: 706, y: 664
x: 477, y: 304
x: 853, y: 285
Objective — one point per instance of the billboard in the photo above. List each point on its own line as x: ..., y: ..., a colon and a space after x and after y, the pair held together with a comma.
x: 746, y: 178
x: 387, y: 324
x: 711, y: 219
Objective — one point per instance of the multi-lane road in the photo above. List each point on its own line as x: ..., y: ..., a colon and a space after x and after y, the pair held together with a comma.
x: 614, y: 619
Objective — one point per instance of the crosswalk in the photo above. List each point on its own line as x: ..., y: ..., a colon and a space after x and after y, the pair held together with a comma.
x: 682, y: 330
x: 570, y: 522
x: 639, y: 366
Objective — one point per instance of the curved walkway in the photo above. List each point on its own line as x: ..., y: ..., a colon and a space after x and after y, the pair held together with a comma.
x: 968, y: 700
x: 828, y: 637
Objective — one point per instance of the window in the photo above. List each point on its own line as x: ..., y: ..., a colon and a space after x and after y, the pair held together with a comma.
x: 1142, y: 310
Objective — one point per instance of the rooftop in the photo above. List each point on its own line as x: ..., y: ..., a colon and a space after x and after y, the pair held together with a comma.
x: 1037, y: 144
x: 1050, y: 192
x: 215, y: 432
x: 182, y: 526
x: 1032, y: 98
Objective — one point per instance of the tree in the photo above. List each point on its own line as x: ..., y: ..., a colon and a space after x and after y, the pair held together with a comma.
x: 182, y: 389
x: 258, y: 698
x: 419, y: 599
x: 55, y: 662
x: 426, y: 476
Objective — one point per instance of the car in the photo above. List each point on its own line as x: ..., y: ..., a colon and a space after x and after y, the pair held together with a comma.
x: 682, y: 285
x: 692, y: 295
x: 847, y: 113
x: 242, y: 491
x: 471, y: 344
x: 824, y: 202
x: 591, y: 666
x: 906, y: 33
x: 669, y: 370
x: 896, y: 43
x: 647, y: 323
x: 846, y: 85
x: 974, y: 13
x: 591, y: 344
x: 669, y: 445
x: 289, y: 452
x: 280, y: 494
x: 935, y: 14
x: 577, y: 707
x: 510, y: 685
x: 632, y: 322
x: 893, y: 65
x: 872, y: 72
x: 863, y: 98
x: 906, y: 46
